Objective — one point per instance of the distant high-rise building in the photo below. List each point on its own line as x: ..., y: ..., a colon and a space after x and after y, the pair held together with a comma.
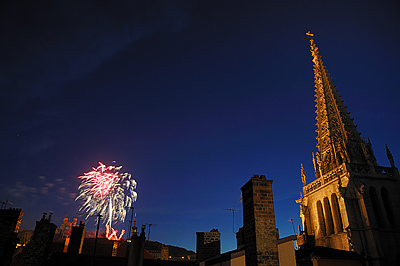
x: 208, y: 245
x: 354, y: 203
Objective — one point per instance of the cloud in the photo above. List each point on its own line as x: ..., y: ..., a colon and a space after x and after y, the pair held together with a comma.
x: 19, y: 190
x: 44, y: 190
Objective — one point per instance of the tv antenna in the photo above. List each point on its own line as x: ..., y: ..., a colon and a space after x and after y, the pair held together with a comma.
x: 130, y: 222
x: 148, y: 235
x: 233, y: 218
x: 294, y: 230
x: 4, y: 204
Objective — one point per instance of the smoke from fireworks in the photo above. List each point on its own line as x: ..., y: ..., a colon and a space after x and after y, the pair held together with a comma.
x: 107, y: 192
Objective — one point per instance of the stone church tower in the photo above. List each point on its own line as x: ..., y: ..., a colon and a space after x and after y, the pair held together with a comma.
x: 354, y: 203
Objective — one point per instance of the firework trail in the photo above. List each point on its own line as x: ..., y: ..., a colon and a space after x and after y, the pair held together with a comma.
x: 107, y: 192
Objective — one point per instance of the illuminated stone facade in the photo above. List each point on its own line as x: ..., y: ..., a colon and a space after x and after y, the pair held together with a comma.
x: 164, y: 253
x: 354, y: 203
x: 66, y: 227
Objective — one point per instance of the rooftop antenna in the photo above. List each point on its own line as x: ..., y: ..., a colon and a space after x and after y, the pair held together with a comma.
x: 130, y: 222
x: 4, y: 203
x: 99, y: 216
x: 148, y: 235
x: 233, y: 218
x: 294, y: 230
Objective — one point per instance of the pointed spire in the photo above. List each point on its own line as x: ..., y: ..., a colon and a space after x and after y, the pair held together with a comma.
x: 303, y: 176
x: 370, y: 153
x: 390, y: 156
x: 338, y: 138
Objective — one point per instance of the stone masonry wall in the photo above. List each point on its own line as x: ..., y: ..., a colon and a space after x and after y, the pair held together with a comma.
x: 38, y: 248
x: 259, y: 222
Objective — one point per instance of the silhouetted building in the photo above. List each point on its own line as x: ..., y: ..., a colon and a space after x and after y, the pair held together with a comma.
x: 10, y: 221
x: 75, y: 242
x: 136, y: 249
x: 260, y: 234
x: 37, y: 250
x: 208, y: 245
x: 354, y: 203
x: 240, y: 238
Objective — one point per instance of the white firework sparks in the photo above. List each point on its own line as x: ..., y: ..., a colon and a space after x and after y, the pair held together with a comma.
x: 107, y: 192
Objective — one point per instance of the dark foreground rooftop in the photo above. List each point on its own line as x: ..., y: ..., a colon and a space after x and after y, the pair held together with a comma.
x: 67, y: 259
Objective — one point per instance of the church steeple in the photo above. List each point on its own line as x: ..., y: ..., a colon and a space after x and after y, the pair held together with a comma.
x: 338, y: 138
x: 352, y: 200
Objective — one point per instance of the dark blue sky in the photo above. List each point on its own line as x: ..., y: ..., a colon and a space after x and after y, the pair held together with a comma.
x: 191, y: 97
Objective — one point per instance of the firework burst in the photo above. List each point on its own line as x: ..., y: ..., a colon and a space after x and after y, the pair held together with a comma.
x: 107, y: 192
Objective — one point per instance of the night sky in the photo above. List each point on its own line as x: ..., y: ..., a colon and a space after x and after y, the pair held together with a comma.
x: 191, y: 97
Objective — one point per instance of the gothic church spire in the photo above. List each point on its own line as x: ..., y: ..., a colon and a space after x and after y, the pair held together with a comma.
x: 338, y: 139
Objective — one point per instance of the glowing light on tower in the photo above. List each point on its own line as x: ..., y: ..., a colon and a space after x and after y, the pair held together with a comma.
x: 106, y: 191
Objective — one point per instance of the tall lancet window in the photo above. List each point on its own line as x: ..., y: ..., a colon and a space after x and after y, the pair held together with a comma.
x: 321, y: 220
x: 375, y: 205
x: 328, y: 217
x: 388, y: 208
x: 337, y: 216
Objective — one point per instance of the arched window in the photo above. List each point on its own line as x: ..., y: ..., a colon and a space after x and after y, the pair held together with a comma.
x: 388, y: 209
x: 375, y: 205
x: 336, y: 214
x: 321, y: 220
x: 328, y: 217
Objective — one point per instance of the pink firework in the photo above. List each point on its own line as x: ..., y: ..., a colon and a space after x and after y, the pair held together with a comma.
x: 102, y: 178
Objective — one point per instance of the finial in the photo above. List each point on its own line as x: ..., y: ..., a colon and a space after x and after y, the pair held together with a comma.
x: 315, y: 165
x: 303, y: 176
x: 309, y: 34
x: 390, y: 156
